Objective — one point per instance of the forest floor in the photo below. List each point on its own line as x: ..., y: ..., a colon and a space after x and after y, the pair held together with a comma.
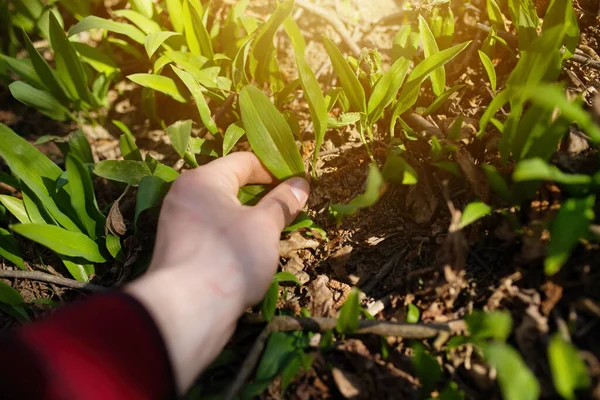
x: 400, y: 251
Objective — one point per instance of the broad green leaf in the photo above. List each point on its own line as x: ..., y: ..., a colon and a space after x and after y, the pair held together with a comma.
x: 93, y: 22
x: 151, y: 192
x: 413, y: 314
x: 552, y: 97
x: 129, y: 149
x: 250, y: 195
x: 426, y: 367
x: 516, y: 380
x: 348, y: 317
x: 80, y: 272
x: 163, y: 171
x: 46, y: 74
x: 61, y: 241
x: 571, y: 224
x: 410, y: 93
x: 155, y: 40
x: 10, y: 250
x: 569, y: 371
x: 186, y: 60
x: 283, y: 277
x: 159, y: 83
x: 203, y: 147
x: 180, y: 133
x: 495, y: 14
x: 24, y: 69
x: 175, y: 10
x: 42, y: 101
x: 350, y: 83
x: 80, y: 148
x: 68, y: 66
x: 35, y: 170
x: 314, y: 97
x: 387, y: 88
x: 16, y: 208
x: 114, y: 247
x: 303, y: 221
x: 146, y: 24
x: 344, y: 120
x: 97, y: 59
x: 398, y: 171
x: 473, y: 212
x: 127, y: 171
x: 489, y: 325
x: 145, y: 7
x: 269, y: 134
x: 372, y: 194
x: 233, y: 134
x: 490, y: 69
x: 9, y: 295
x: 430, y: 47
x: 196, y: 91
x: 126, y: 47
x: 536, y: 169
x: 277, y: 353
x: 83, y: 199
x: 293, y: 31
x: 263, y: 50
x: 197, y: 36
x: 35, y: 210
x: 405, y: 44
x: 269, y: 304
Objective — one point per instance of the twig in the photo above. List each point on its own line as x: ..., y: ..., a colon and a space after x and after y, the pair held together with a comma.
x: 44, y: 277
x: 320, y: 324
x: 249, y: 364
x: 331, y: 17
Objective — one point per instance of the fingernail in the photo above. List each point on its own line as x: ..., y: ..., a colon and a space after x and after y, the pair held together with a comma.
x: 300, y: 188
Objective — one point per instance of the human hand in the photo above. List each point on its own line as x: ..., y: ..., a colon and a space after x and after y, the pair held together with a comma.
x: 213, y: 257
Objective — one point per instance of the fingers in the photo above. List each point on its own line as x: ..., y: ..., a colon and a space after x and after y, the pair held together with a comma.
x: 284, y: 203
x: 234, y: 171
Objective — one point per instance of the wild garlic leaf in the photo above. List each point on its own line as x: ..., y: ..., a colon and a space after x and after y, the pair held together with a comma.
x: 473, y: 212
x: 350, y: 83
x: 430, y: 47
x: 569, y: 371
x: 159, y: 83
x: 348, y: 317
x: 93, y: 22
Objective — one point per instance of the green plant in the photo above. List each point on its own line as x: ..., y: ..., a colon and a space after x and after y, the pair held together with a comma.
x: 58, y: 209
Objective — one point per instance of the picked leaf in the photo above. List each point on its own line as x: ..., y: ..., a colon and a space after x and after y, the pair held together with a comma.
x: 61, y: 241
x: 270, y: 135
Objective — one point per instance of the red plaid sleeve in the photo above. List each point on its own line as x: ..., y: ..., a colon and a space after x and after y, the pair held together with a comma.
x: 105, y: 347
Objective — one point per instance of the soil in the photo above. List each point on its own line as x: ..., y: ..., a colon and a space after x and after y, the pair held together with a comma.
x: 446, y: 275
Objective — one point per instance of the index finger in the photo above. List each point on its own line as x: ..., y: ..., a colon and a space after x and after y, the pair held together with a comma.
x: 234, y: 172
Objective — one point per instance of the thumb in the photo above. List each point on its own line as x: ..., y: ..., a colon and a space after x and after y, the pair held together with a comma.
x: 285, y: 202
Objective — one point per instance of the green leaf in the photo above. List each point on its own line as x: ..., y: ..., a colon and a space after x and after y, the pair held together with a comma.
x: 40, y: 100
x: 35, y: 210
x: 348, y: 317
x: 426, y: 367
x: 180, y: 133
x: 303, y: 221
x: 569, y: 371
x: 145, y: 7
x: 97, y: 59
x: 516, y: 380
x: 571, y: 224
x: 233, y: 134
x: 398, y: 171
x: 413, y: 314
x: 269, y: 303
x: 127, y: 171
x: 9, y: 295
x: 61, y: 241
x: 497, y: 182
x: 250, y: 195
x: 129, y: 149
x: 68, y: 66
x: 314, y: 97
x: 16, y: 208
x: 113, y: 245
x: 430, y: 47
x: 473, y: 212
x: 489, y: 325
x: 146, y: 24
x: 536, y: 169
x: 159, y: 83
x: 9, y: 249
x: 151, y: 192
x: 93, y: 22
x: 155, y: 40
x: 197, y: 36
x: 35, y: 170
x: 387, y: 88
x: 497, y: 103
x: 344, y: 120
x: 410, y: 93
x: 263, y: 50
x: 175, y: 10
x: 293, y: 31
x: 196, y: 91
x: 495, y: 14
x: 83, y: 199
x: 80, y: 148
x: 278, y: 350
x: 80, y: 272
x: 24, y: 69
x: 269, y: 134
x: 203, y: 146
x: 352, y: 87
x: 46, y: 74
x: 372, y: 194
x: 282, y: 277
x: 490, y: 69
x: 552, y: 97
